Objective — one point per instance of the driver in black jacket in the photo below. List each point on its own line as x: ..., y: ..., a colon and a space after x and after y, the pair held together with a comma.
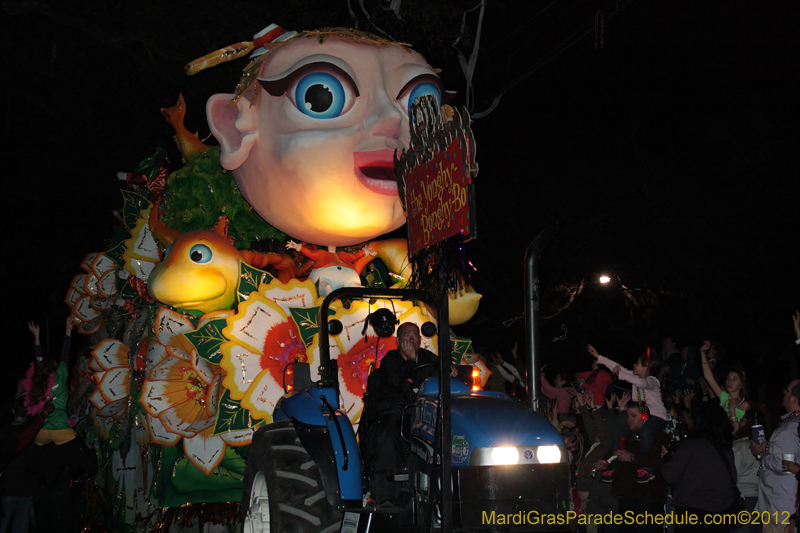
x: 397, y: 387
x: 399, y: 379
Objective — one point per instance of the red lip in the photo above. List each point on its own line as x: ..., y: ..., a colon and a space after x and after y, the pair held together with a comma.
x: 375, y: 170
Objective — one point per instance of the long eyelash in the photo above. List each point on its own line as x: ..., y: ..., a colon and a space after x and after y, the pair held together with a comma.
x: 419, y: 79
x: 280, y: 86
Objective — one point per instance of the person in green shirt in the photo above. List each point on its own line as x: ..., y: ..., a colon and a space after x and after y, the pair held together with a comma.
x: 733, y: 398
x: 56, y: 426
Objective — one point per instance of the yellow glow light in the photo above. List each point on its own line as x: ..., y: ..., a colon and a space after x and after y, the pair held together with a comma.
x: 548, y: 454
x: 505, y: 455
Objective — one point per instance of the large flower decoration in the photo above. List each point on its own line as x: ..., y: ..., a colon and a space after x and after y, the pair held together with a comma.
x: 112, y: 374
x: 92, y: 292
x: 264, y: 337
x: 181, y: 393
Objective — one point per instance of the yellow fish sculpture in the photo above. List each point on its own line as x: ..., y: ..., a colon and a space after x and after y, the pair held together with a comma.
x: 200, y: 269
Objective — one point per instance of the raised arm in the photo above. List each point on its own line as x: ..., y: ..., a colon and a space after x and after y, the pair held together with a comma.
x: 707, y: 373
x: 507, y: 370
x: 796, y: 319
x: 37, y: 346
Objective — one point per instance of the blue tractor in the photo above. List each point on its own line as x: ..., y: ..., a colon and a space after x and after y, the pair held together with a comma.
x: 503, y: 468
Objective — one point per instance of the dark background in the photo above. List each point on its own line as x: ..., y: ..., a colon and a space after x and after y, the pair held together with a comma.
x: 667, y: 158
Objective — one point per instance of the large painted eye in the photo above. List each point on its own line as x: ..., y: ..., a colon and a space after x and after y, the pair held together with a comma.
x: 200, y: 253
x: 320, y: 95
x: 420, y: 86
x: 319, y: 90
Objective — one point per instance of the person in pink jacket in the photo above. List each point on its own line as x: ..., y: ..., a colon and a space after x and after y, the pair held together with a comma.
x: 558, y: 392
x: 646, y: 389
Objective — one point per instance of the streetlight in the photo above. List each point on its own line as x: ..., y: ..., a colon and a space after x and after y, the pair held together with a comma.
x: 604, y: 279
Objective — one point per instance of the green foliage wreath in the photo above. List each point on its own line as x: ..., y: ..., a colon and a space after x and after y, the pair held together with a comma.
x: 200, y: 192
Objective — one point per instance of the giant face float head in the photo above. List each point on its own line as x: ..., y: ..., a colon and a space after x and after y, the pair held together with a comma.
x: 311, y: 142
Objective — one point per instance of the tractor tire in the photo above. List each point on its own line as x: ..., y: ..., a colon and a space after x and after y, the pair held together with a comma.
x: 283, y: 490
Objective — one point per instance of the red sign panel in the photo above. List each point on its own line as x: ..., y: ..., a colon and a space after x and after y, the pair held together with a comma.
x: 437, y: 199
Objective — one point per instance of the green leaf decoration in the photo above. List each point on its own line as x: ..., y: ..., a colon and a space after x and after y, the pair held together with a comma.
x: 201, y: 191
x: 307, y: 320
x: 208, y: 339
x: 150, y: 166
x: 118, y: 246
x: 376, y: 275
x: 249, y: 279
x: 231, y: 416
x: 458, y: 347
x: 131, y: 209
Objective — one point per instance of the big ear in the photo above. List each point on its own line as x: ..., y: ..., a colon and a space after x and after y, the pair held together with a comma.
x: 235, y: 127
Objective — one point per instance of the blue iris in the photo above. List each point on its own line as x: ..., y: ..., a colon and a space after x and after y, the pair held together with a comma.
x: 424, y: 89
x: 200, y: 253
x: 320, y: 95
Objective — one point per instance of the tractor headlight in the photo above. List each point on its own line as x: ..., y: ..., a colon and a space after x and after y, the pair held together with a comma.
x: 515, y: 455
x: 505, y: 455
x: 548, y: 454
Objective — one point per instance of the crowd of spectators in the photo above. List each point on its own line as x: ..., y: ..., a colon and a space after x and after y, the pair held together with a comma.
x: 677, y: 433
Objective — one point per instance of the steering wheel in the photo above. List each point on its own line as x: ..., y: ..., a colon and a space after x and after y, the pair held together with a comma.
x: 408, y: 374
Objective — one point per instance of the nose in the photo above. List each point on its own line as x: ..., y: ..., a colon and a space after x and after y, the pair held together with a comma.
x: 387, y: 121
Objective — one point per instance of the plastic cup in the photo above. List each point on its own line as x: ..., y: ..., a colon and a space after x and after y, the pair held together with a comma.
x: 758, y: 435
x: 789, y: 457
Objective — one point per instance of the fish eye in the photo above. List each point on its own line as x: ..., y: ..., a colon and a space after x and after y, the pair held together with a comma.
x: 200, y: 253
x: 319, y: 90
x: 423, y: 85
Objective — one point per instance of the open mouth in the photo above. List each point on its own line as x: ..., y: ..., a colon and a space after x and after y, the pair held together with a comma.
x: 375, y: 169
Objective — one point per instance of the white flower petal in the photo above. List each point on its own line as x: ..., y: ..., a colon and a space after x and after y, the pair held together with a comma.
x: 241, y: 437
x: 115, y: 384
x: 153, y: 397
x: 159, y: 434
x: 256, y: 316
x: 262, y: 396
x: 205, y: 451
x: 204, y: 369
x: 90, y: 285
x: 107, y: 284
x: 111, y: 353
x: 293, y: 294
x: 156, y: 352
x: 170, y: 323
x: 97, y: 400
x: 114, y: 410
x: 242, y: 368
x: 102, y: 265
x: 84, y: 311
x: 86, y: 263
x: 214, y: 391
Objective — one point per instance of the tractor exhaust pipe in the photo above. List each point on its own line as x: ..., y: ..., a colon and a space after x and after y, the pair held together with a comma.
x: 532, y: 342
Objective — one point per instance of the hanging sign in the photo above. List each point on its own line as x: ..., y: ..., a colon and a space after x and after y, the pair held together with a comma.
x: 435, y: 176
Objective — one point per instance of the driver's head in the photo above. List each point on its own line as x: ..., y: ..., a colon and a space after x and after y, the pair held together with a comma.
x: 409, y: 332
x: 311, y: 140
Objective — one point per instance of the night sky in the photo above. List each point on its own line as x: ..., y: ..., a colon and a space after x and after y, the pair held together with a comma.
x: 666, y: 158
